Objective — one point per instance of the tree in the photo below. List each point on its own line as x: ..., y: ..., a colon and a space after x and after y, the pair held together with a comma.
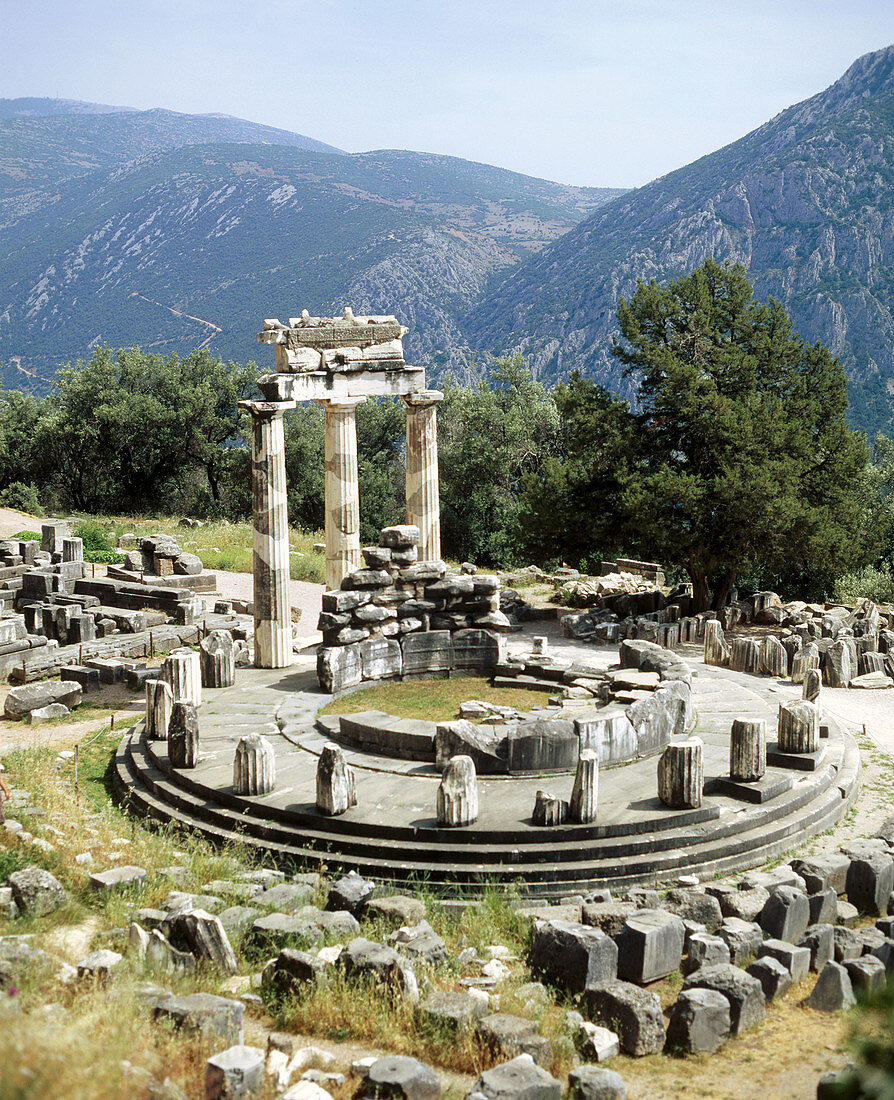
x: 572, y: 506
x: 744, y: 455
x: 490, y: 436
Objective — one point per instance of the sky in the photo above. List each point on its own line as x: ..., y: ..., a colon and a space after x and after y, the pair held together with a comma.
x: 592, y: 92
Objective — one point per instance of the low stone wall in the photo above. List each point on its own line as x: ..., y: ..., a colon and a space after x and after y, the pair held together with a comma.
x: 400, y: 618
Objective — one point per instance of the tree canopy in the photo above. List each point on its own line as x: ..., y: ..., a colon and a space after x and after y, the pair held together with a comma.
x: 743, y: 451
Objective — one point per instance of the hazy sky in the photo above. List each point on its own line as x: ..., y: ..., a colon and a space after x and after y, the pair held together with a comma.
x: 599, y: 92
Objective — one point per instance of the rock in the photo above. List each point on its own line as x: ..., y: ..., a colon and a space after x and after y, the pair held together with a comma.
x: 292, y: 971
x: 699, y: 1022
x: 824, y: 872
x: 742, y: 937
x: 744, y: 993
x: 234, y: 1073
x: 823, y: 907
x: 519, y: 1079
x: 213, y: 1017
x: 397, y: 909
x: 796, y: 960
x: 773, y: 976
x: 870, y: 880
x: 508, y: 1036
x: 695, y: 905
x: 572, y: 956
x: 819, y: 940
x: 350, y: 893
x: 746, y: 905
x: 486, y: 746
x: 48, y: 713
x: 400, y: 1077
x: 119, y: 878
x: 422, y: 944
x: 868, y: 975
x: 596, y: 1043
x: 549, y: 810
x: 650, y: 946
x: 786, y: 914
x: 98, y: 966
x: 203, y: 935
x: 634, y: 1013
x: 608, y: 916
x: 833, y: 991
x: 848, y: 944
x: 458, y: 793
x: 705, y: 950
x: 364, y: 958
x: 458, y: 1010
x: 22, y: 700
x: 594, y: 1083
x: 36, y: 892
x: 285, y: 897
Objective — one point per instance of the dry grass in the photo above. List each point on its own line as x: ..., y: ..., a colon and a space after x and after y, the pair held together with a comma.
x: 225, y: 545
x: 435, y: 700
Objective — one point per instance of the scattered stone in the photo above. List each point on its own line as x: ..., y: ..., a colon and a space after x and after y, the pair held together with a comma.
x: 744, y: 993
x: 350, y: 893
x: 234, y: 1073
x: 650, y: 946
x: 213, y: 1017
x: 868, y: 975
x: 519, y: 1079
x: 746, y: 904
x: 819, y: 939
x: 773, y: 976
x: 401, y: 1078
x: 22, y: 700
x: 786, y: 914
x: 119, y: 878
x: 508, y: 1036
x: 699, y: 1022
x: 833, y: 991
x: 203, y: 935
x: 634, y: 1013
x: 870, y: 880
x: 705, y: 950
x: 98, y: 966
x: 397, y: 909
x: 594, y: 1083
x: 458, y: 1010
x: 742, y: 937
x: 572, y: 956
x: 596, y: 1043
x: 36, y: 892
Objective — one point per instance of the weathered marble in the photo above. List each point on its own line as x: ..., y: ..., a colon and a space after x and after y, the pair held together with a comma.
x: 458, y: 793
x: 798, y: 729
x: 159, y: 701
x: 716, y: 649
x: 681, y: 774
x: 182, y: 670
x: 342, y: 490
x: 422, y: 489
x: 217, y: 658
x: 183, y: 736
x: 336, y: 789
x: 748, y: 749
x: 254, y: 767
x: 585, y: 792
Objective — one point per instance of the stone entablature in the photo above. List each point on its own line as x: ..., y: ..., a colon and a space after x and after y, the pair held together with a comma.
x: 401, y: 618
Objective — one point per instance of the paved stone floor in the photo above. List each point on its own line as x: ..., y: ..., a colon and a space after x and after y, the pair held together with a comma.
x: 402, y: 793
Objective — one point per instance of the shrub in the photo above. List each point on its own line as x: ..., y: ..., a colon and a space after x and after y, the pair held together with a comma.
x: 22, y: 497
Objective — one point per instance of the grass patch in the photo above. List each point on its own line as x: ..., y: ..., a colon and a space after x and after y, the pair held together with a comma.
x: 436, y: 700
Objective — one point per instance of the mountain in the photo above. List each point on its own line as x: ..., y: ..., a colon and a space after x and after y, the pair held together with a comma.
x: 44, y: 142
x: 805, y: 203
x: 195, y: 245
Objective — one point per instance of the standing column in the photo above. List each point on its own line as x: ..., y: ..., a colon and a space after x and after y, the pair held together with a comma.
x: 423, y: 498
x: 273, y: 620
x: 342, y: 489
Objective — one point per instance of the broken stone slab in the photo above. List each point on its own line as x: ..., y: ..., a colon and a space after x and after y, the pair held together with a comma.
x: 870, y: 881
x: 236, y: 1072
x: 775, y: 979
x: 595, y: 1083
x: 36, y: 891
x: 634, y: 1013
x: 508, y: 1036
x: 595, y: 1043
x: 22, y: 700
x: 397, y: 909
x: 161, y: 955
x: 48, y: 713
x: 833, y: 991
x: 203, y: 935
x: 119, y: 878
x: 457, y: 803
x: 744, y: 993
x: 213, y: 1017
x: 456, y: 1010
x: 650, y: 946
x: 786, y: 914
x: 292, y: 971
x: 824, y: 872
x: 422, y: 944
x: 99, y: 966
x: 400, y: 1078
x: 705, y: 950
x: 351, y: 893
x: 796, y: 960
x: 486, y: 746
x: 819, y: 940
x: 519, y: 1079
x: 285, y: 897
x: 572, y: 956
x: 699, y: 1022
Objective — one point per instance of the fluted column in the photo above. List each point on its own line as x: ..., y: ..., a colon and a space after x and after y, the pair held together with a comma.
x: 273, y: 621
x: 342, y: 489
x: 423, y: 497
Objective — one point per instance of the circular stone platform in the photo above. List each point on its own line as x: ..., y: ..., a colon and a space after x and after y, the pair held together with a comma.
x: 392, y: 834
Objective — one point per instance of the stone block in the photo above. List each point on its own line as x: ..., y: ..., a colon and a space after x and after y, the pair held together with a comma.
x: 235, y: 1073
x: 634, y: 1013
x: 339, y: 667
x: 457, y: 1011
x: 796, y: 960
x: 775, y: 979
x: 213, y: 1017
x: 823, y: 907
x: 870, y: 880
x: 36, y: 891
x: 694, y: 904
x: 819, y: 940
x: 508, y: 1036
x: 699, y: 1022
x: 610, y: 734
x: 380, y: 659
x: 650, y: 946
x: 833, y: 991
x: 20, y: 701
x: 705, y: 950
x: 608, y: 916
x: 868, y: 975
x: 786, y: 914
x: 824, y: 872
x: 427, y: 652
x: 119, y: 878
x: 519, y: 1079
x: 572, y: 956
x: 486, y: 745
x: 480, y: 650
x: 542, y: 745
x: 595, y: 1083
x: 595, y: 1043
x: 744, y: 993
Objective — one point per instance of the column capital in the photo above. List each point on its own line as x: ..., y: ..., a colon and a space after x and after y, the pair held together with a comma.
x: 268, y: 408
x: 423, y: 398
x: 340, y: 402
